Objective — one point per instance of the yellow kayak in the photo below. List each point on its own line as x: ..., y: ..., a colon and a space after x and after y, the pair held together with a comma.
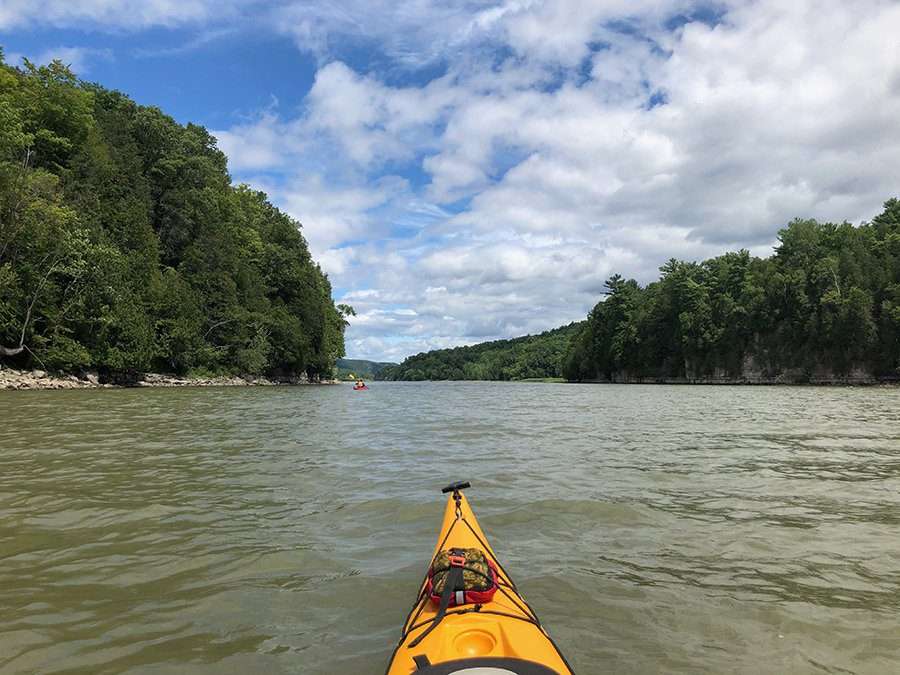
x: 445, y: 633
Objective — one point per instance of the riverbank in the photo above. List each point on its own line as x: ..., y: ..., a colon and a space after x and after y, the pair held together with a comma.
x: 40, y: 379
x: 753, y: 372
x: 766, y: 382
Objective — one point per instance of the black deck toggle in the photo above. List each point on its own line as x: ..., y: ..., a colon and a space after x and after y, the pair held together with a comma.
x: 456, y: 487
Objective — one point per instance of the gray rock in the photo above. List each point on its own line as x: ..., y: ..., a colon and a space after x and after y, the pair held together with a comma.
x: 38, y: 374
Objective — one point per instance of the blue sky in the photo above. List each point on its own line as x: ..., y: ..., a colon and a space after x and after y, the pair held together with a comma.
x: 215, y: 78
x: 474, y: 170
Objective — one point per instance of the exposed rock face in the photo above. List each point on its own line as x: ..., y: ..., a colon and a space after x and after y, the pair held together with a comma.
x: 752, y: 372
x: 39, y: 379
x: 164, y: 380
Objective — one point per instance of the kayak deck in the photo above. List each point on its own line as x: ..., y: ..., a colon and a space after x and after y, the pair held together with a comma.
x: 503, y: 633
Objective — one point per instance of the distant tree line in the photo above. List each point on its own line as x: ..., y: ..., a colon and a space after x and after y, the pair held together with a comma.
x: 828, y: 300
x: 826, y: 303
x: 360, y: 368
x: 533, y: 356
x: 124, y: 246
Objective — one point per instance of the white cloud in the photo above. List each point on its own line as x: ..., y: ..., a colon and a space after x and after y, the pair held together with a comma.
x: 198, y: 41
x: 334, y: 215
x: 109, y: 13
x: 370, y: 124
x: 561, y: 142
x: 410, y: 33
x: 374, y: 123
x: 561, y: 31
x: 263, y: 144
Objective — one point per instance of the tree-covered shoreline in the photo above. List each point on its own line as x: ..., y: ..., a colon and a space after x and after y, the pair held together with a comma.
x: 125, y: 248
x: 354, y: 369
x: 531, y: 357
x: 825, y: 307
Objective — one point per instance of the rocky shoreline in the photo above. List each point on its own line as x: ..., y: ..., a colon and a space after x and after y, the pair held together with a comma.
x: 40, y: 379
x: 753, y: 372
x: 761, y: 382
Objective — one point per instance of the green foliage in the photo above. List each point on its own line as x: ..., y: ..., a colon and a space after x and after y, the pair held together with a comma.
x: 64, y: 353
x: 124, y: 246
x: 531, y: 357
x: 829, y: 298
x: 360, y: 368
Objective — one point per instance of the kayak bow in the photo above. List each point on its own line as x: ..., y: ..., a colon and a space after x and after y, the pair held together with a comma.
x: 500, y: 637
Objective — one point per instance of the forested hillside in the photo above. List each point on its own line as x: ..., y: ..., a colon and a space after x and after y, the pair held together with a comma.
x: 124, y: 246
x: 361, y: 368
x: 825, y: 305
x: 532, y: 356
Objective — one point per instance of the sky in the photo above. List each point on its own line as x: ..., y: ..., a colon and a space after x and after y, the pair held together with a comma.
x: 476, y: 169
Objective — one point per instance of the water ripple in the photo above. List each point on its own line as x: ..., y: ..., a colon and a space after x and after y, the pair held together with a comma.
x: 655, y: 529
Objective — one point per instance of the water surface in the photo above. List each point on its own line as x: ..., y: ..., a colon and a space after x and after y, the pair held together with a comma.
x: 285, y: 530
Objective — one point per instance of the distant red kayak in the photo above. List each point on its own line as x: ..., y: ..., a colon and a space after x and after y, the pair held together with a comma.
x: 355, y: 388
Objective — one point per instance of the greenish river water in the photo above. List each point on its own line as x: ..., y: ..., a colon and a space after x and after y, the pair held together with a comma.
x: 285, y: 530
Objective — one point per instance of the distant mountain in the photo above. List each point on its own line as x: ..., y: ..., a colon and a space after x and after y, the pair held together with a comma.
x: 530, y: 357
x: 360, y: 368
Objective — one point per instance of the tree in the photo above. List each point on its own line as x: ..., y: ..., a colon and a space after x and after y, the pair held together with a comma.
x: 826, y: 300
x: 124, y: 246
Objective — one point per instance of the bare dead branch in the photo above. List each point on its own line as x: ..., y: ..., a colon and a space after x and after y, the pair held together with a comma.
x: 216, y: 325
x: 43, y: 365
x: 13, y: 351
